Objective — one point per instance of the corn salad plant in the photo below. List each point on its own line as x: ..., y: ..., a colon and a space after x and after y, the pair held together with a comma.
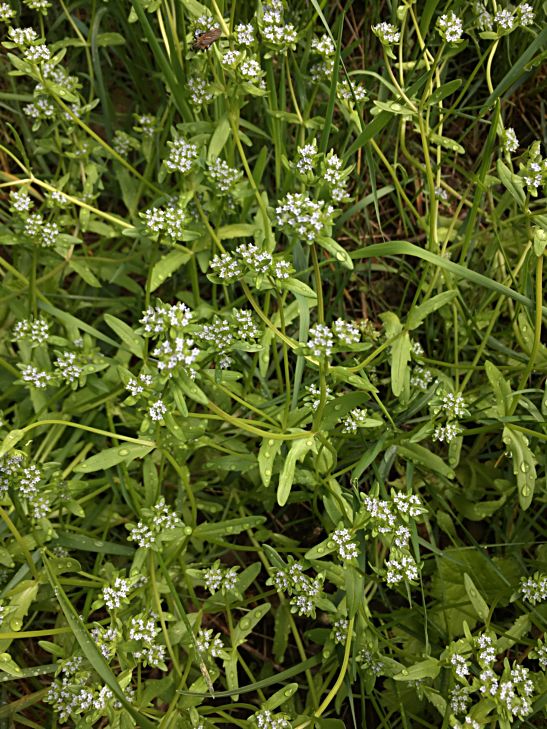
x: 273, y: 379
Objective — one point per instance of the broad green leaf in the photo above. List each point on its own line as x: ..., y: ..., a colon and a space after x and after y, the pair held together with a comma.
x: 248, y: 622
x: 445, y: 90
x: 422, y: 456
x: 355, y: 586
x: 167, y: 265
x: 512, y: 183
x: 266, y: 457
x: 280, y: 697
x: 446, y: 142
x: 133, y: 341
x: 88, y: 544
x: 477, y: 600
x: 84, y: 272
x: 282, y: 628
x: 110, y: 39
x: 219, y: 138
x: 340, y: 407
x: 228, y: 528
x: 190, y: 389
x: 298, y: 450
x: 8, y: 665
x: 11, y: 439
x: 419, y: 313
x: 336, y: 250
x: 429, y: 668
x: 112, y: 456
x: 236, y: 230
x: 524, y: 464
x: 500, y: 388
x: 297, y: 287
x: 230, y: 671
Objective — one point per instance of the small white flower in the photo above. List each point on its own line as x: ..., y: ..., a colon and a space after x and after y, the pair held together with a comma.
x: 460, y: 666
x: 421, y: 378
x: 323, y: 45
x: 339, y: 631
x: 345, y: 547
x: 387, y: 33
x: 224, y: 176
x: 446, y: 433
x: 534, y: 589
x: 226, y: 267
x: 510, y: 141
x: 157, y: 410
x: 346, y: 331
x: 6, y: 12
x: 199, y: 91
x: 22, y: 36
x: 20, y: 201
x: 68, y: 367
x: 116, y: 594
x: 354, y: 420
x: 505, y: 19
x: 244, y: 33
x: 321, y: 340
x: 450, y: 27
x: 38, y: 53
x: 525, y: 14
x: 182, y: 155
x: 37, y: 378
x: 454, y: 405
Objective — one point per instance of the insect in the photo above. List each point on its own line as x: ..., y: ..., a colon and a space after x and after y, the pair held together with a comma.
x: 204, y: 40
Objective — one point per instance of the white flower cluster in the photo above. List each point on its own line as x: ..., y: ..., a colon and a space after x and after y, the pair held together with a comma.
x: 305, y: 590
x: 534, y: 173
x: 10, y: 470
x: 145, y: 124
x: 459, y: 699
x: 265, y: 719
x: 274, y: 30
x: 20, y: 201
x: 339, y: 631
x: 171, y: 222
x: 249, y: 258
x: 35, y: 377
x: 446, y: 433
x: 351, y: 92
x: 408, y: 505
x: 459, y: 663
x: 345, y: 547
x: 369, y: 662
x: 116, y: 594
x: 421, y: 378
x: 387, y: 33
x: 158, y: 409
x: 72, y: 694
x: 322, y: 339
x: 298, y: 215
x: 231, y: 58
x: 205, y: 24
x: 244, y: 34
x: 335, y: 177
x: 380, y: 514
x: 220, y: 578
x: 251, y: 72
x: 224, y: 176
x: 313, y: 398
x: 34, y: 331
x: 222, y: 335
x: 22, y: 36
x: 510, y: 141
x: 209, y: 645
x: 123, y: 143
x: 69, y: 367
x: 322, y: 70
x: 155, y: 525
x: 39, y: 53
x: 534, y: 589
x: 159, y: 319
x: 450, y: 27
x: 106, y: 640
x: 138, y: 386
x: 400, y: 567
x: 42, y: 233
x: 306, y: 158
x: 505, y: 19
x: 453, y: 404
x: 525, y: 14
x: 6, y: 12
x: 182, y: 155
x: 355, y: 419
x: 200, y: 93
x: 143, y: 629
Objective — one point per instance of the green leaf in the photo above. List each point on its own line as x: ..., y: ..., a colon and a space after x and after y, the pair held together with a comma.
x: 110, y: 39
x: 297, y: 287
x: 167, y: 265
x: 84, y: 272
x: 236, y: 230
x: 422, y: 456
x: 282, y: 628
x: 11, y: 439
x: 512, y: 183
x: 190, y: 389
x: 340, y: 407
x: 133, y: 341
x: 266, y: 457
x: 248, y: 622
x: 230, y: 527
x: 90, y: 650
x: 336, y: 250
x: 445, y: 90
x: 419, y: 313
x: 298, y: 450
x: 500, y: 388
x: 355, y: 586
x: 446, y: 142
x: 112, y: 456
x: 280, y: 697
x: 429, y: 668
x: 219, y: 138
x: 524, y: 464
x: 476, y: 599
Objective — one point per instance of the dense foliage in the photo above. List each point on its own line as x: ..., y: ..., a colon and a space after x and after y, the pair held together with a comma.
x: 273, y: 384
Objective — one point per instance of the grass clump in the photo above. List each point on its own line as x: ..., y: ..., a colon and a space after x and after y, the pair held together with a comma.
x: 272, y: 369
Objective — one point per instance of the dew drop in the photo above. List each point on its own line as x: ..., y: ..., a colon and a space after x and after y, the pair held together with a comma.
x: 271, y: 442
x: 245, y: 624
x: 99, y: 544
x: 268, y: 472
x: 320, y: 550
x: 187, y: 531
x: 525, y: 491
x: 309, y: 443
x: 524, y: 467
x: 229, y: 529
x: 404, y: 672
x: 124, y: 451
x: 288, y: 692
x: 340, y: 256
x: 337, y: 407
x: 16, y: 624
x: 267, y: 454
